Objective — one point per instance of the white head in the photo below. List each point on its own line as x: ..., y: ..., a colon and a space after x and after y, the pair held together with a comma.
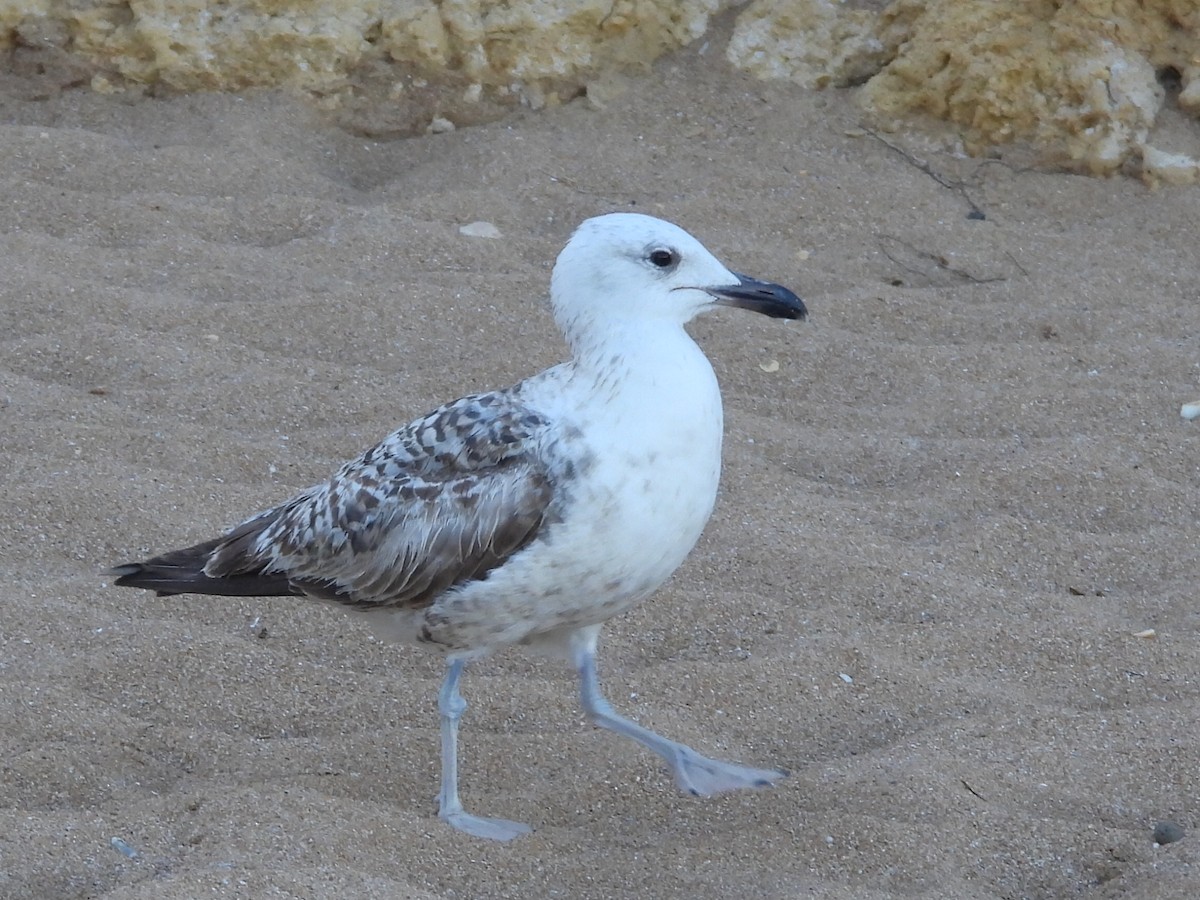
x: 626, y: 267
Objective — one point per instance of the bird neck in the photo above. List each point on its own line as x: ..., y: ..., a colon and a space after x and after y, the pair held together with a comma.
x: 635, y: 350
x: 650, y: 375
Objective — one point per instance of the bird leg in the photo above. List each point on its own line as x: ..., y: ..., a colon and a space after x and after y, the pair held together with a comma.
x: 696, y: 774
x: 451, y: 706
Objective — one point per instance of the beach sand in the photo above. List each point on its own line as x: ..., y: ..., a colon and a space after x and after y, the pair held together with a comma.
x: 952, y: 501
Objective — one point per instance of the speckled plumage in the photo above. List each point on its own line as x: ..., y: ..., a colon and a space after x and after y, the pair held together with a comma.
x: 437, y: 503
x: 531, y: 514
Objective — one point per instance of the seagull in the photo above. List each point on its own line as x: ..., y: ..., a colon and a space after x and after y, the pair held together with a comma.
x: 529, y: 515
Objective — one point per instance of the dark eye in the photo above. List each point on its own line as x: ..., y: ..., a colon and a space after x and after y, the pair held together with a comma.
x: 664, y: 259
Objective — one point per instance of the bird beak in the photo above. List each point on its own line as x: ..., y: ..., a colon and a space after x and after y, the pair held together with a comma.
x: 764, y: 297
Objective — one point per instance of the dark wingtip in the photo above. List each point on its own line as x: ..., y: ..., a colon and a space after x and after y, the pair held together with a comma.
x: 125, y: 570
x: 168, y: 576
x: 138, y: 575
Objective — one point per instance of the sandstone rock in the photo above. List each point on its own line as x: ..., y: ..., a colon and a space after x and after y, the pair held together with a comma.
x: 815, y: 43
x: 1083, y: 80
x: 1079, y: 79
x: 432, y: 48
x: 1159, y: 167
x: 232, y: 44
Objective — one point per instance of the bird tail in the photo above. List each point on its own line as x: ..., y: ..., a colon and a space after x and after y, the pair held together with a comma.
x: 183, y: 571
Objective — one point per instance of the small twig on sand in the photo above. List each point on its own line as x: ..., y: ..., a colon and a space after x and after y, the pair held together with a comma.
x: 974, y: 211
x: 972, y: 790
x: 939, y: 261
x: 1017, y: 264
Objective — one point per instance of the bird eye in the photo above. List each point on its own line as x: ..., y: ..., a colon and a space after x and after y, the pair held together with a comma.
x: 664, y: 259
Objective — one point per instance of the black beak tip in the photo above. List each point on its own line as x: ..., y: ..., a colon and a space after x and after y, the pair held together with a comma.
x: 764, y: 297
x: 796, y: 308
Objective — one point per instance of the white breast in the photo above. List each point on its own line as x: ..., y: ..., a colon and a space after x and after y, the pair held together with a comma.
x: 644, y: 434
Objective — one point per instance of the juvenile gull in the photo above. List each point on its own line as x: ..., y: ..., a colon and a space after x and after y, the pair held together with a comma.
x: 529, y: 515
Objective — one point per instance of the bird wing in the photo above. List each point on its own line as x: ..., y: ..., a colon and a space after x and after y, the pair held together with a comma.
x: 435, y: 504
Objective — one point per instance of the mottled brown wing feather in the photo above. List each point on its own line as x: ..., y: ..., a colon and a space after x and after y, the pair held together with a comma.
x: 417, y: 543
x: 440, y: 502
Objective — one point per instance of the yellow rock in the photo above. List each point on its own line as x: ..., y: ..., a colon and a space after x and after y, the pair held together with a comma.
x: 379, y: 66
x: 815, y: 43
x: 1079, y: 79
x: 318, y: 44
x: 1159, y: 167
x: 1083, y: 79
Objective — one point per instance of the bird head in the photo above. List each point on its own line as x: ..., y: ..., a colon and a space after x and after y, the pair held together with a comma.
x: 636, y: 268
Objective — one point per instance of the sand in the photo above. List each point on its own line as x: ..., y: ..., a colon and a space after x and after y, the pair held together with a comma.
x: 951, y: 502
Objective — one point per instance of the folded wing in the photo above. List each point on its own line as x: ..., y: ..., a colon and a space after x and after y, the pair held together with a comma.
x: 439, y: 503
